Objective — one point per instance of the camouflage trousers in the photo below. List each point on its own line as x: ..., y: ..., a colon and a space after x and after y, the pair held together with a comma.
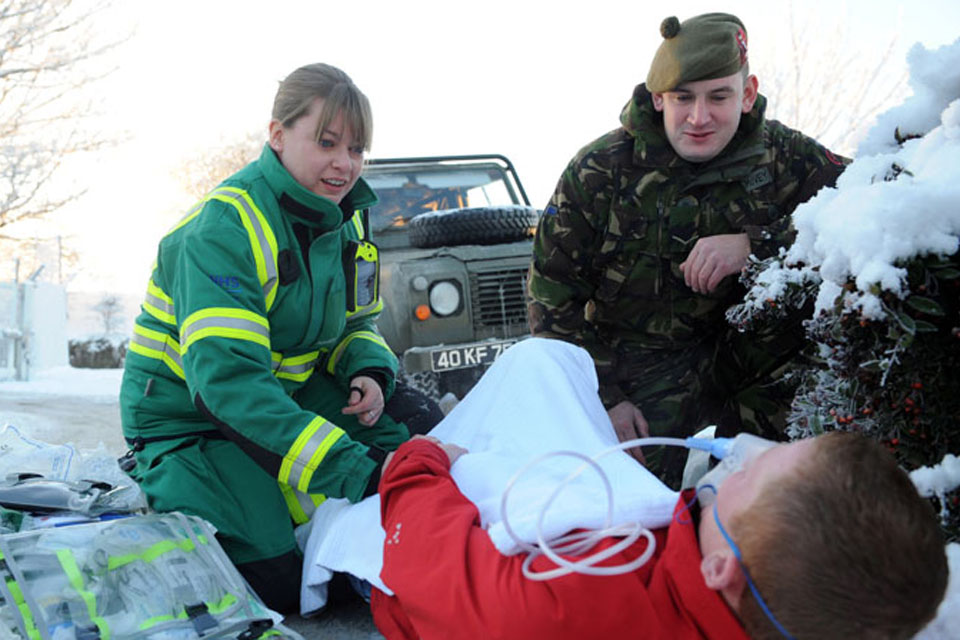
x: 735, y: 381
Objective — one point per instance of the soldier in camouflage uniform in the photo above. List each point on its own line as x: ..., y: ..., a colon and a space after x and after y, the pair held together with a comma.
x: 637, y: 253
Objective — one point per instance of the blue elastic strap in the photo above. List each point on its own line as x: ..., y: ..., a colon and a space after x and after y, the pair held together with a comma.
x: 693, y: 500
x: 753, y: 587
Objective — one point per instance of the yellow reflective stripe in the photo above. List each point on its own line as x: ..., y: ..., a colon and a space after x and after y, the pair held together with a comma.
x: 157, y: 345
x: 309, y: 357
x: 212, y: 607
x: 154, y: 621
x: 357, y: 335
x: 296, y: 368
x: 159, y: 304
x: 307, y: 452
x: 69, y: 564
x: 368, y: 310
x: 299, y: 512
x: 24, y: 608
x: 262, y: 240
x: 225, y: 603
x: 357, y: 221
x: 190, y: 215
x: 300, y: 505
x: 153, y: 552
x: 224, y: 322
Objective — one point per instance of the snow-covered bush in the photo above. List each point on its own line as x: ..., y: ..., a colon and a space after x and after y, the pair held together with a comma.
x: 877, y: 259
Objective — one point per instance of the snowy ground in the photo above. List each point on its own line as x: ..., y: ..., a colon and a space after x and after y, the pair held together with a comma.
x: 66, y: 405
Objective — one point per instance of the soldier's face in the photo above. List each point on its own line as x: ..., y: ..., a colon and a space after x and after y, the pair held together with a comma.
x: 330, y: 166
x: 701, y: 117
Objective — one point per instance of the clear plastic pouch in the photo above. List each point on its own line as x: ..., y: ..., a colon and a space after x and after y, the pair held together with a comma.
x: 83, y: 482
x: 157, y: 576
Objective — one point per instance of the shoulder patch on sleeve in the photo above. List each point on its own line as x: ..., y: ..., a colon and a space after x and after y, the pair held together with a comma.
x: 832, y: 158
x: 757, y: 179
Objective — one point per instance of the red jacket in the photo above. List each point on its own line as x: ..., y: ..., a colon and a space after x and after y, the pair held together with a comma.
x: 451, y: 582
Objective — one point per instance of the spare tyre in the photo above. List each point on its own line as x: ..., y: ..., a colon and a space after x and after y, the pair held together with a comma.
x: 473, y: 225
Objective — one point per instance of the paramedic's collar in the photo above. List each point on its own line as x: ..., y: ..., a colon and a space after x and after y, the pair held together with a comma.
x: 307, y: 206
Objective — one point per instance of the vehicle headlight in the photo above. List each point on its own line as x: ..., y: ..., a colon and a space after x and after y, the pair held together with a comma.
x: 444, y: 298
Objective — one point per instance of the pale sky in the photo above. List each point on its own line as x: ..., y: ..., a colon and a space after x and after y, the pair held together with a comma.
x: 532, y: 81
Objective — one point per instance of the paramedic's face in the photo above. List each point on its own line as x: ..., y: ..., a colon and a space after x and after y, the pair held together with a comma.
x: 328, y: 166
x: 700, y: 118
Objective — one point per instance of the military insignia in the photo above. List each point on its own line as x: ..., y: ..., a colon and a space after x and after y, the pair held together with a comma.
x: 832, y: 158
x: 757, y: 179
x: 742, y: 44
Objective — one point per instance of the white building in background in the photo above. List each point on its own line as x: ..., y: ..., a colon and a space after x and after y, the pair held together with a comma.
x: 33, y: 328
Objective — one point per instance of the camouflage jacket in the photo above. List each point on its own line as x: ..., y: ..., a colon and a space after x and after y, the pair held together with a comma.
x: 605, y: 272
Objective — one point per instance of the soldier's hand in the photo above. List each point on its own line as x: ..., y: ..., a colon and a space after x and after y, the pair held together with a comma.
x: 713, y: 258
x: 629, y: 423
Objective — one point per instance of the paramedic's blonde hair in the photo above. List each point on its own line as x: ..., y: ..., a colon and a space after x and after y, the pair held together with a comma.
x: 299, y: 89
x: 843, y: 548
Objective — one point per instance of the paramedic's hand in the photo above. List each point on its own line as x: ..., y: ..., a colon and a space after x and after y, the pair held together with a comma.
x: 713, y: 258
x: 365, y: 400
x: 629, y: 424
x: 453, y: 451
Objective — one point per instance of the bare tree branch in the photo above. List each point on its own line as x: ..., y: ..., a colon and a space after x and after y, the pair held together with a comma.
x: 200, y: 175
x: 824, y: 86
x: 49, y: 55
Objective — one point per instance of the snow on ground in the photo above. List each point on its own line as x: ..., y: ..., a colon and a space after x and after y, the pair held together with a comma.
x: 97, y: 385
x: 66, y: 405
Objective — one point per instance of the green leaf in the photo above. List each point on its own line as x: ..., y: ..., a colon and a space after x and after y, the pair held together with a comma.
x: 871, y: 365
x: 815, y: 425
x: 947, y: 274
x: 908, y: 323
x: 926, y: 327
x: 925, y: 305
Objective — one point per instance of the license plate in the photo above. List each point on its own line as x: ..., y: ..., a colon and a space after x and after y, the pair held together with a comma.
x: 470, y: 356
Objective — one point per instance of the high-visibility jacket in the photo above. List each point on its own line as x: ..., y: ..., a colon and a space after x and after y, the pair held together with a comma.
x: 235, y: 321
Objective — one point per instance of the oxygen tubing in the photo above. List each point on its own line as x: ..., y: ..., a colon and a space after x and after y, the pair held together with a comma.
x: 579, y: 542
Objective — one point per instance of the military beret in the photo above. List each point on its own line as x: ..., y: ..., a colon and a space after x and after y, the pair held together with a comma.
x: 712, y: 45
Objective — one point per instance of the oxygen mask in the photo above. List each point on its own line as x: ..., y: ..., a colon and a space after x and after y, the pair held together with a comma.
x: 734, y: 454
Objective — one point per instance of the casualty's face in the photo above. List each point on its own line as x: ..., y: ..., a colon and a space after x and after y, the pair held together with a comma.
x: 328, y: 166
x: 741, y: 489
x: 700, y: 118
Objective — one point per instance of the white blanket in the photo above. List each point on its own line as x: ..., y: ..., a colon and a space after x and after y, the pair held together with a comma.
x: 540, y: 396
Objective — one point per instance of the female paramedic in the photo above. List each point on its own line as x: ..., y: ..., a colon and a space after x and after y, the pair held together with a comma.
x: 256, y: 380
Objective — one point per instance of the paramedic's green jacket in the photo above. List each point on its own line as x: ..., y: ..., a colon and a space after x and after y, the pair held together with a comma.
x: 240, y: 337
